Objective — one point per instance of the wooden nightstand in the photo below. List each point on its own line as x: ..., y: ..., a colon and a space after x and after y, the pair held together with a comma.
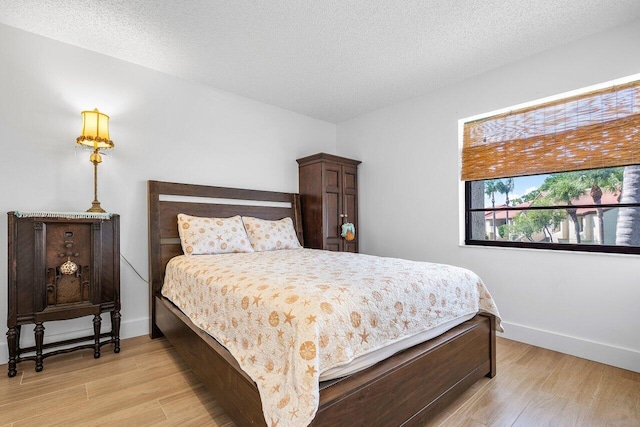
x: 62, y: 266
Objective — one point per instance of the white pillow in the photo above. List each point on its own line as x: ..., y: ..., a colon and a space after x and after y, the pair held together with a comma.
x: 267, y: 235
x: 200, y: 236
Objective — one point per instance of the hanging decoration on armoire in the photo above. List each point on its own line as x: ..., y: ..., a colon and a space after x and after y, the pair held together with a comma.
x: 348, y: 231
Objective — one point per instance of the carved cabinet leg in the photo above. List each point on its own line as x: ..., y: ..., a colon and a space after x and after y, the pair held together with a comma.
x: 18, y: 349
x: 115, y: 330
x: 39, y: 333
x: 97, y: 321
x: 12, y: 341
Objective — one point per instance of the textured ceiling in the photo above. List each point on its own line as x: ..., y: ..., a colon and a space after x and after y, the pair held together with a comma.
x: 329, y: 59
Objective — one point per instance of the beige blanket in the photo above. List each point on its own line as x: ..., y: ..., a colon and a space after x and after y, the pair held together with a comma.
x: 288, y: 315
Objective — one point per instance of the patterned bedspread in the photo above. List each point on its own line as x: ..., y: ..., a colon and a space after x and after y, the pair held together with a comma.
x: 288, y: 315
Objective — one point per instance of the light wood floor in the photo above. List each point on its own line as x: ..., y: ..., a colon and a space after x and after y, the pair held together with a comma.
x: 148, y: 384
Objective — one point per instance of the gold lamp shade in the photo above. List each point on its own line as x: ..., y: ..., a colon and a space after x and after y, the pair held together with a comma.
x: 95, y: 130
x: 95, y: 134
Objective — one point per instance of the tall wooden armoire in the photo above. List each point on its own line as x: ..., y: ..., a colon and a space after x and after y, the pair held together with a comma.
x: 328, y: 187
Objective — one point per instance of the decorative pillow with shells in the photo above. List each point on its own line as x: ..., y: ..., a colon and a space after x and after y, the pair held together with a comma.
x: 266, y: 235
x: 201, y: 236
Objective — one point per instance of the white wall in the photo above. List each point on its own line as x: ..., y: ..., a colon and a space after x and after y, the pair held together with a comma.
x: 578, y: 303
x: 163, y: 128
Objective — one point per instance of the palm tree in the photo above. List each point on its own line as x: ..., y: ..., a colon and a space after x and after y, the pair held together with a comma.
x: 628, y: 226
x: 611, y: 179
x: 505, y: 187
x: 565, y: 187
x: 490, y: 190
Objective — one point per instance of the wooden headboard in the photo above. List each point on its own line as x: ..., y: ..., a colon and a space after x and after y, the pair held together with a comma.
x: 168, y: 199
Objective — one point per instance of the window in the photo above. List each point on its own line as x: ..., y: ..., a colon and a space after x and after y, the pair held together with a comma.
x: 563, y: 174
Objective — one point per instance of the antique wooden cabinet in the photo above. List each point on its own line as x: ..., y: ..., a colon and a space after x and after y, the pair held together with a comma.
x: 62, y: 266
x: 328, y: 187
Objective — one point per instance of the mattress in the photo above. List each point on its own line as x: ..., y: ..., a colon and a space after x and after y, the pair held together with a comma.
x: 288, y: 316
x: 369, y: 359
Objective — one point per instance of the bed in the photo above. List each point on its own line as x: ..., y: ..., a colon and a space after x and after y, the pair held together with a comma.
x: 405, y: 389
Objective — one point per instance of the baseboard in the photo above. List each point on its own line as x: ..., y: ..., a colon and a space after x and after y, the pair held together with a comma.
x: 610, y: 355
x: 128, y: 329
x: 615, y: 356
x: 4, y: 354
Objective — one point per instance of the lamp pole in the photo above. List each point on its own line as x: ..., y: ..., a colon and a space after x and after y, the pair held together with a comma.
x: 95, y: 159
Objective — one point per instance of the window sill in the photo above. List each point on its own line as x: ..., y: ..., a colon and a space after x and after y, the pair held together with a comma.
x: 563, y: 248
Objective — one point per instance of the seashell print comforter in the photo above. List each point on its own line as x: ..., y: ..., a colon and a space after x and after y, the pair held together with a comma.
x: 288, y: 315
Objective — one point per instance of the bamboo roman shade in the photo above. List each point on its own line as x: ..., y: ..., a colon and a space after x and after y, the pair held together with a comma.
x: 593, y: 130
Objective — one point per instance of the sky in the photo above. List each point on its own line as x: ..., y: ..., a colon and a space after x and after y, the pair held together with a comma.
x: 522, y: 185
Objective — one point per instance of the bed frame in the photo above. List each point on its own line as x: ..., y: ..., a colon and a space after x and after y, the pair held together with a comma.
x: 405, y: 389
